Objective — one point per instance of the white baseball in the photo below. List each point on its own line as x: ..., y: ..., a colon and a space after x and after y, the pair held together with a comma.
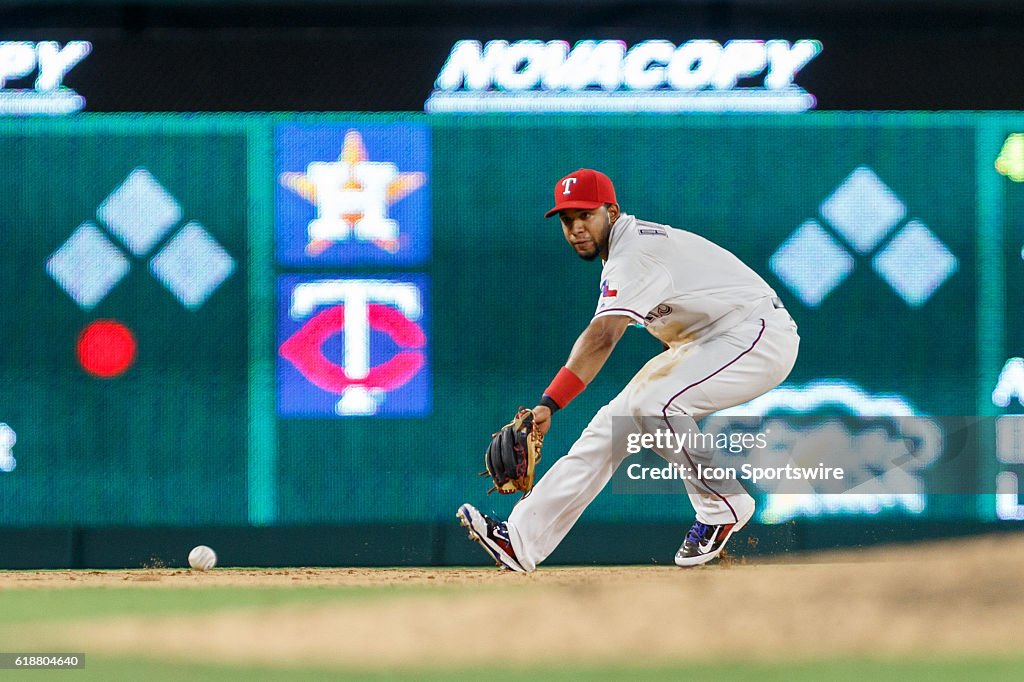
x: 202, y: 558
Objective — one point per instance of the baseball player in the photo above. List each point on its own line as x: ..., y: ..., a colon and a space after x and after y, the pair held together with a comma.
x: 728, y: 339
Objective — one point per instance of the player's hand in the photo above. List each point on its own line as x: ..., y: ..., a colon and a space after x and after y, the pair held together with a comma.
x: 542, y: 419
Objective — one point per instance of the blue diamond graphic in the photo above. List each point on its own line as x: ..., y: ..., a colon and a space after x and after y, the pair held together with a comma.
x: 192, y: 265
x: 811, y: 263
x: 915, y: 263
x: 139, y: 212
x: 863, y: 209
x: 87, y: 266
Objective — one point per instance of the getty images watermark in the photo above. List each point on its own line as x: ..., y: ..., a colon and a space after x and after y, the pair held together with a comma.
x: 690, y: 456
x: 860, y: 456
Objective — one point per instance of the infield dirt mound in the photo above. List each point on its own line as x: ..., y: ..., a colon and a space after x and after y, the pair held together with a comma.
x: 953, y: 598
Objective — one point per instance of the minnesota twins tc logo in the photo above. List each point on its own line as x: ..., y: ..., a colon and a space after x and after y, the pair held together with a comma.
x: 352, y: 347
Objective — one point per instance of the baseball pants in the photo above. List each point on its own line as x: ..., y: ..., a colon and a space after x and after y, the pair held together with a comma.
x: 672, y: 391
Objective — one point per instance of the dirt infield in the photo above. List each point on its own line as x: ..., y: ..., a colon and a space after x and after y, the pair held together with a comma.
x: 960, y: 598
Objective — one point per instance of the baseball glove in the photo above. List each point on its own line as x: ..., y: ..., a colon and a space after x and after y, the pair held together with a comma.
x: 513, y: 455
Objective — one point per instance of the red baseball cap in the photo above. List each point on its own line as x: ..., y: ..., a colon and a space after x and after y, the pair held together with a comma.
x: 584, y: 188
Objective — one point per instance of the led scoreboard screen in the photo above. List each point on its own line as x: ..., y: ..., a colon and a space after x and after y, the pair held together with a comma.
x: 235, y: 319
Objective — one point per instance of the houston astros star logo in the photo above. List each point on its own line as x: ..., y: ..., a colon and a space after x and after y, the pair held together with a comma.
x: 352, y: 196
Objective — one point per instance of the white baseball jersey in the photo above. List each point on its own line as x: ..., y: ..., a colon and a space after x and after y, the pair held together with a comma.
x: 679, y: 285
x: 683, y: 288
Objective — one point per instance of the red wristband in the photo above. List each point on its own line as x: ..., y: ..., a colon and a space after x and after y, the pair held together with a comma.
x: 564, y: 387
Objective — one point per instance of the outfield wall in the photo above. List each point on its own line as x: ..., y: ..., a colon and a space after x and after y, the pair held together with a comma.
x: 438, y: 544
x: 174, y: 344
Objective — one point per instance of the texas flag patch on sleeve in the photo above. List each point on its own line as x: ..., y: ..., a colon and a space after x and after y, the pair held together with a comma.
x: 607, y: 292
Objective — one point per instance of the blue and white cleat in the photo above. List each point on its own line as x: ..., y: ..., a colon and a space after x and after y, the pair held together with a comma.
x: 492, y: 536
x: 706, y: 541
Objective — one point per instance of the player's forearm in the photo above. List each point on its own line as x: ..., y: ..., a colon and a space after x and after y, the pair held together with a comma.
x: 591, y: 350
x: 588, y: 356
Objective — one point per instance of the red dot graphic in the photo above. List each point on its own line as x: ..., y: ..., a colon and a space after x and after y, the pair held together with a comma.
x: 106, y: 348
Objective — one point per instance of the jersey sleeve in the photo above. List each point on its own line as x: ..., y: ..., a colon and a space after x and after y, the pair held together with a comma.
x: 633, y: 287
